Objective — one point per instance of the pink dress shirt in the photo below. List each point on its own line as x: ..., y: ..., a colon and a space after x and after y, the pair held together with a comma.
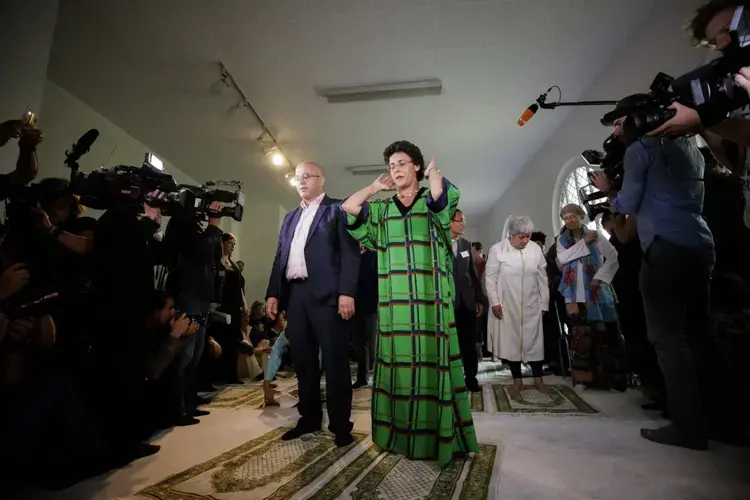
x: 296, y: 267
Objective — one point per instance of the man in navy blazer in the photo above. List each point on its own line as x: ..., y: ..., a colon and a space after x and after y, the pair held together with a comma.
x: 314, y: 278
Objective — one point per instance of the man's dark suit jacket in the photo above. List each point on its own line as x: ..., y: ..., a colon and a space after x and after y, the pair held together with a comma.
x: 331, y: 255
x: 469, y: 290
x: 367, y: 295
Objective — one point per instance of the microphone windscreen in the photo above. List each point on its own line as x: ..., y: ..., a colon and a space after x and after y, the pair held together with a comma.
x: 527, y: 115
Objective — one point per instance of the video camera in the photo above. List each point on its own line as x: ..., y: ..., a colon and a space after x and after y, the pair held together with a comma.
x: 710, y: 89
x: 127, y: 185
x: 611, y: 163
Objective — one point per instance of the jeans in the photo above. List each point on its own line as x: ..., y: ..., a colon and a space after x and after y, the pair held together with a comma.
x: 674, y: 281
x: 278, y: 351
x: 189, y: 352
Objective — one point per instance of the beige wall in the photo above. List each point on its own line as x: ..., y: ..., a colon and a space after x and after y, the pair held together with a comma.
x: 28, y: 27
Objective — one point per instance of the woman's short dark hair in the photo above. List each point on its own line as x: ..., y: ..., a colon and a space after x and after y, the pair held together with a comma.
x: 409, y: 150
x: 539, y: 236
x: 256, y: 307
x: 477, y: 245
x: 227, y: 237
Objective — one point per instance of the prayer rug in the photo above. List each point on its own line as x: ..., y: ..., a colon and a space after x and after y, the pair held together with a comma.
x: 395, y: 477
x: 561, y: 400
x: 237, y: 396
x: 361, y: 398
x: 313, y: 467
x: 477, y: 401
x: 264, y: 467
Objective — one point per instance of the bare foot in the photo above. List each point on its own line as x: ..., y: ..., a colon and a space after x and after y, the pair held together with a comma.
x: 540, y: 386
x: 268, y: 394
x: 515, y: 390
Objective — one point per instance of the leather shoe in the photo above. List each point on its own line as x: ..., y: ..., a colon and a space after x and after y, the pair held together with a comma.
x: 342, y: 440
x: 296, y: 433
x: 473, y: 386
x: 671, y: 436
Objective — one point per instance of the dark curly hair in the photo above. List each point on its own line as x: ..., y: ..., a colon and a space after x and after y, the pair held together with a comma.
x: 408, y: 149
x: 539, y: 236
x: 696, y: 27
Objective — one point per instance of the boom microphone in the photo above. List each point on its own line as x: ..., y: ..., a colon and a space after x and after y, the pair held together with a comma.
x: 528, y: 114
x: 82, y: 146
x: 531, y: 110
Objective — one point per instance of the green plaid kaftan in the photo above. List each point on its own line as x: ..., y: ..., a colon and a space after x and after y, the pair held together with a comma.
x: 420, y: 405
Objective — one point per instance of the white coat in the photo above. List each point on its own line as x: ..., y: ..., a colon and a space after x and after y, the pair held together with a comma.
x: 517, y: 281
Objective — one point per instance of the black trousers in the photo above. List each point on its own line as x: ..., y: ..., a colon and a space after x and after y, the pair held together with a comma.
x: 229, y: 337
x: 312, y: 326
x: 365, y: 329
x: 674, y: 281
x: 515, y: 368
x: 466, y: 326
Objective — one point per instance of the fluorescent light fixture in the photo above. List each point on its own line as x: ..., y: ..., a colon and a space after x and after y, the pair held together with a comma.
x: 154, y: 161
x: 367, y: 169
x: 394, y: 90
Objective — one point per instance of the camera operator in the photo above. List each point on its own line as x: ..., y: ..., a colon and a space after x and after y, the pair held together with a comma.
x: 663, y: 187
x: 193, y: 255
x: 710, y: 27
x: 125, y: 253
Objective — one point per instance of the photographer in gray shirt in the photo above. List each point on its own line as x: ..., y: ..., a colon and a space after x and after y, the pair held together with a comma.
x: 662, y: 186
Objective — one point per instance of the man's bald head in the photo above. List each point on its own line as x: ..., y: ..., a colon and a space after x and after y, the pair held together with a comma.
x: 310, y: 180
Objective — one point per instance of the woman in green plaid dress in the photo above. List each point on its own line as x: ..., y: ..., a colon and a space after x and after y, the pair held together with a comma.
x: 420, y: 405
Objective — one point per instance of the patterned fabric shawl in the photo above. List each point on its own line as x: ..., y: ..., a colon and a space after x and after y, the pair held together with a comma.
x: 600, y: 306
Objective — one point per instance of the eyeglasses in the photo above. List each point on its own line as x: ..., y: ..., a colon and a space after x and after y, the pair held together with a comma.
x: 304, y: 177
x: 401, y: 164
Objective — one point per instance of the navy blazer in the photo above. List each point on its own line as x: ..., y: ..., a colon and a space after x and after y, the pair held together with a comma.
x: 367, y: 296
x: 331, y: 255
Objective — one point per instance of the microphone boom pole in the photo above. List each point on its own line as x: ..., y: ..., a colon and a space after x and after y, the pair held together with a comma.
x: 541, y: 102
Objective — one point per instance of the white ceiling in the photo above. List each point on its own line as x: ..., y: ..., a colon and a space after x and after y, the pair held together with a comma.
x: 151, y: 67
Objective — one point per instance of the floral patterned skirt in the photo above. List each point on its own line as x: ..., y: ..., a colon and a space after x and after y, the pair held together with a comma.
x: 598, y: 352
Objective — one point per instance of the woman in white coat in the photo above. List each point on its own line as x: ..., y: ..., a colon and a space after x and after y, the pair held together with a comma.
x: 516, y: 281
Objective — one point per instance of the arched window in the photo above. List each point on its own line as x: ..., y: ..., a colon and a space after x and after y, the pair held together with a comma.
x: 569, y: 188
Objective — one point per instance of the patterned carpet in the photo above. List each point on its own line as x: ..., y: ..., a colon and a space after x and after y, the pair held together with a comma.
x: 251, y: 396
x: 312, y: 466
x: 561, y: 400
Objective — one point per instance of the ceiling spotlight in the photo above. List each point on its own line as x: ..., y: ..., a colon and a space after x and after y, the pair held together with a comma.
x: 292, y: 178
x: 276, y: 156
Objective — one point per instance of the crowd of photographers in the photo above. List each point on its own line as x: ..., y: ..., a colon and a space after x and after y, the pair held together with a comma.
x: 94, y: 359
x: 655, y: 179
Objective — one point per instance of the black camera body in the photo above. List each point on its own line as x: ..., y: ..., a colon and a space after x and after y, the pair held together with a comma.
x: 130, y: 186
x: 611, y: 163
x: 122, y: 185
x: 197, y: 199
x: 710, y: 89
